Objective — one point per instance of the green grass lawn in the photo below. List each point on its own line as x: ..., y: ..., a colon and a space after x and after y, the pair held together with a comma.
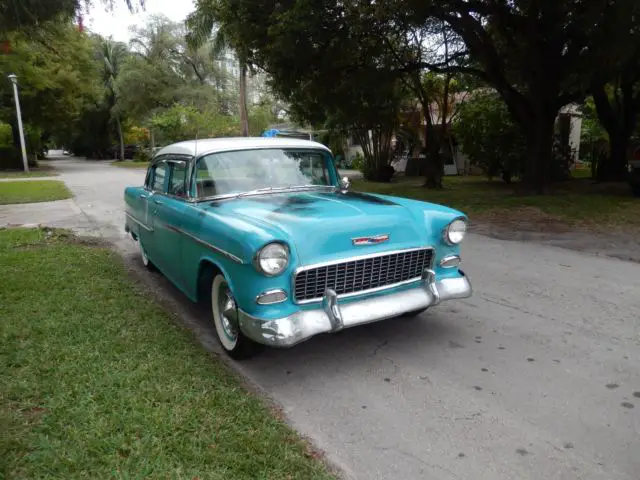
x: 33, y: 191
x: 99, y: 382
x: 130, y: 164
x: 575, y: 202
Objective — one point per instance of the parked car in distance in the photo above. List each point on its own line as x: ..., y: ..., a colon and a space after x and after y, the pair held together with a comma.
x: 264, y: 232
x: 130, y: 151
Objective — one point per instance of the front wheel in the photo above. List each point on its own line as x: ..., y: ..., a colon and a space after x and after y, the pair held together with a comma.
x: 225, y: 318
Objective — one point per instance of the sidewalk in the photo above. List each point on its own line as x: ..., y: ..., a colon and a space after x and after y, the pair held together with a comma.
x: 28, y: 179
x: 57, y: 214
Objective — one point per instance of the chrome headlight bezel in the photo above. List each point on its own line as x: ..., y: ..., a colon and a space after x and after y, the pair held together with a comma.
x: 449, y: 230
x: 259, y: 258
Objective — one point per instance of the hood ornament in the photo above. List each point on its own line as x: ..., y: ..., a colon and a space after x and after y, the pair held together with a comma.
x: 360, y: 241
x: 345, y: 183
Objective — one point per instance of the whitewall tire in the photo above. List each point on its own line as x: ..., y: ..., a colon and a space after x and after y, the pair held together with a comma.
x: 144, y: 257
x: 225, y: 319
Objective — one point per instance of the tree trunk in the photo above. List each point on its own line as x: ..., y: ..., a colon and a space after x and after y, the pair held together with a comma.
x: 539, y: 135
x: 619, y: 122
x: 434, y: 162
x: 121, y: 138
x: 615, y: 167
x: 244, y: 117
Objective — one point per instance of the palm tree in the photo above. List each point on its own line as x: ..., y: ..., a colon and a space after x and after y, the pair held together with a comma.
x: 112, y: 56
x: 200, y: 27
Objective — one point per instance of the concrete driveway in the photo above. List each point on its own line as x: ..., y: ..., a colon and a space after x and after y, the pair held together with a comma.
x: 537, y: 376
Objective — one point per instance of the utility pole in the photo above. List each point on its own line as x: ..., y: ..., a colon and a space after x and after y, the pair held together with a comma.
x: 14, y: 80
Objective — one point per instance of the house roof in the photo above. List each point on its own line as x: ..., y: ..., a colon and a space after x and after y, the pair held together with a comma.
x: 213, y: 145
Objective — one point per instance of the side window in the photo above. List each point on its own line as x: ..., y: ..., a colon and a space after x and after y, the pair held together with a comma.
x: 159, y: 175
x: 177, y: 182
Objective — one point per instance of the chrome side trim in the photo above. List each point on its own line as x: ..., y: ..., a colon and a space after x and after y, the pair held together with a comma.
x: 353, y: 259
x: 128, y: 215
x: 219, y: 250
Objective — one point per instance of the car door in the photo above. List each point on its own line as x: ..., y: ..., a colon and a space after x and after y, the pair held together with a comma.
x: 137, y: 206
x: 156, y: 190
x: 168, y: 210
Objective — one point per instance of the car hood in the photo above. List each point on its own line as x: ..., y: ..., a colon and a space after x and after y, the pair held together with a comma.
x: 322, y: 225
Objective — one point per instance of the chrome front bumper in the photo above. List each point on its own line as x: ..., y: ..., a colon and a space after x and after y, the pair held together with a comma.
x: 332, y: 316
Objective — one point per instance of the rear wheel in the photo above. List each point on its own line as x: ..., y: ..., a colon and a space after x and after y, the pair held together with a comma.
x: 143, y: 255
x: 225, y: 318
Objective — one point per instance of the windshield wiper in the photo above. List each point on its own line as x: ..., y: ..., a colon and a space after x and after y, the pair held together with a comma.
x: 262, y: 190
x: 266, y: 190
x: 290, y: 188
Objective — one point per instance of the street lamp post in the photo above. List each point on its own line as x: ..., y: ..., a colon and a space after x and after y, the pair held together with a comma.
x: 14, y: 80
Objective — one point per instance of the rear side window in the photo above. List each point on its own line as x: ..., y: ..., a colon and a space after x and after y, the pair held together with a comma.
x: 159, y: 175
x: 177, y: 184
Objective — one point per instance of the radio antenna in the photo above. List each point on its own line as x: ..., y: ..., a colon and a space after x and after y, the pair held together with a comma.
x: 195, y: 147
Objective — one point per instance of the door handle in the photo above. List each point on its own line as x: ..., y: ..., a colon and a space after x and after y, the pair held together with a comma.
x: 157, y: 202
x: 142, y: 196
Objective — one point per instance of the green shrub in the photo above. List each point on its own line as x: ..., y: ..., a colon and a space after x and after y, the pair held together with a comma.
x: 6, y: 136
x: 358, y: 162
x: 142, y: 155
x: 490, y: 138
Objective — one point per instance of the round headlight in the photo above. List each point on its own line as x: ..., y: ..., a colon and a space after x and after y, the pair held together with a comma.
x: 454, y: 232
x: 272, y: 259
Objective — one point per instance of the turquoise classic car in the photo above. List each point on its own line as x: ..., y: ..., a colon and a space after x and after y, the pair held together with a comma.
x: 280, y: 249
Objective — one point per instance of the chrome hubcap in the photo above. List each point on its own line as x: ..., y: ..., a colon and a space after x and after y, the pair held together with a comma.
x: 228, y: 314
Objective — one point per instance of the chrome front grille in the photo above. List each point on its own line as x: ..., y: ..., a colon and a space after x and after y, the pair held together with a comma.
x: 361, y: 274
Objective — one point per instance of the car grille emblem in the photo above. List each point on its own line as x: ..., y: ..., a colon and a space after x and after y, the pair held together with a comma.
x: 360, y: 241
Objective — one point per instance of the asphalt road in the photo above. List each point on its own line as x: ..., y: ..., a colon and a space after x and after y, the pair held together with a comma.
x: 537, y: 376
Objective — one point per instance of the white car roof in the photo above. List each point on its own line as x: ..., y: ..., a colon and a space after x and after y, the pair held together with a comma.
x: 213, y: 145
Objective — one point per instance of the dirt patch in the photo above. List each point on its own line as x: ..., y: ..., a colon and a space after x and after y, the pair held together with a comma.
x: 523, y: 219
x: 615, y: 243
x: 60, y: 235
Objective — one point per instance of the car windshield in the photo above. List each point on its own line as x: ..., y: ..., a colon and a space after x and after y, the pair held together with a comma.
x: 237, y: 172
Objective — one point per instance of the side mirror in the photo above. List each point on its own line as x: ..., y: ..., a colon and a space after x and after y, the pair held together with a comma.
x: 345, y: 184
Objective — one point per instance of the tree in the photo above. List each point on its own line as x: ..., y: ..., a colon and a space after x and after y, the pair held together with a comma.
x: 182, y: 122
x: 329, y: 75
x: 204, y: 22
x: 113, y: 55
x: 57, y: 75
x: 164, y: 69
x: 489, y: 136
x: 617, y: 102
x: 534, y: 78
